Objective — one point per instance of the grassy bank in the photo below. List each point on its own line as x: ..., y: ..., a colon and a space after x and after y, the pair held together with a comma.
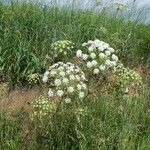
x: 109, y: 123
x: 27, y: 31
x: 105, y: 120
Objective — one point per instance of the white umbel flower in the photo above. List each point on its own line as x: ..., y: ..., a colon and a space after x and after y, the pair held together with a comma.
x: 91, y: 48
x: 84, y: 44
x: 102, y: 67
x: 115, y: 58
x: 65, y: 80
x: 108, y: 53
x: 77, y: 70
x: 111, y: 50
x: 102, y: 55
x: 93, y: 55
x: 46, y: 73
x: 72, y: 77
x: 79, y: 53
x: 77, y: 78
x: 81, y: 95
x: 97, y: 41
x: 113, y: 63
x: 90, y: 42
x: 68, y: 100
x: 79, y: 86
x: 68, y: 71
x: 52, y: 73
x: 85, y: 56
x: 89, y: 64
x: 45, y: 78
x: 62, y: 73
x: 84, y: 86
x: 96, y: 71
x: 108, y: 63
x: 60, y: 93
x: 100, y: 48
x: 50, y: 93
x: 61, y: 68
x: 83, y: 77
x: 70, y: 89
x: 57, y: 82
x: 94, y: 62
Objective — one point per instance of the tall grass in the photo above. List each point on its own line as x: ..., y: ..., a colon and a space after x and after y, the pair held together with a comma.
x: 109, y: 123
x: 27, y: 31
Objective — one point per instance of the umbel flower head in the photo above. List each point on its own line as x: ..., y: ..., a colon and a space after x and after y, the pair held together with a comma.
x: 62, y: 48
x: 33, y: 78
x: 42, y: 107
x: 126, y: 77
x: 99, y: 56
x: 65, y: 80
x: 119, y: 5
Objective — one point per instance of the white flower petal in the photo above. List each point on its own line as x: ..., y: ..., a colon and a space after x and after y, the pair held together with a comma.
x: 68, y: 100
x: 81, y: 95
x: 96, y: 71
x: 93, y: 55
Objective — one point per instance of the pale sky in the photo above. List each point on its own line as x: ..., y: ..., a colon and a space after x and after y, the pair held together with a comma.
x: 139, y: 2
x: 143, y: 5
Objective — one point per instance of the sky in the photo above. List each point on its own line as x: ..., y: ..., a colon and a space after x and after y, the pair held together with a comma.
x: 143, y: 5
x: 139, y: 2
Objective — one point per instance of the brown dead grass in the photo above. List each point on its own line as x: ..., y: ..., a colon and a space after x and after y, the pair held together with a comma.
x: 15, y: 100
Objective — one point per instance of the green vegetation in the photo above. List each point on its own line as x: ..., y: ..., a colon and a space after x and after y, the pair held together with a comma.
x: 108, y: 123
x: 104, y: 119
x: 27, y: 31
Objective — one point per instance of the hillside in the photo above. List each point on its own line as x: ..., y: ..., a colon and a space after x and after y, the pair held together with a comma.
x: 114, y: 113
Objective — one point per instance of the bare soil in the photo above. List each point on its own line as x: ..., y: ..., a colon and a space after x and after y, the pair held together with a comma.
x: 15, y: 100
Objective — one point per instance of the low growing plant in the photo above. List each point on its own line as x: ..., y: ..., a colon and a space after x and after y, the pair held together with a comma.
x: 98, y: 56
x: 127, y: 79
x: 65, y: 80
x: 62, y: 50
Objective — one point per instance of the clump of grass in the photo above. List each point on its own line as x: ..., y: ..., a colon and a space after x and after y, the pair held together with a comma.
x: 10, y: 133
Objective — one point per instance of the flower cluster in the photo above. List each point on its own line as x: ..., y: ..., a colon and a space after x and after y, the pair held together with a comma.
x: 99, y: 56
x: 42, y: 107
x: 127, y: 77
x: 119, y: 5
x: 33, y: 78
x: 62, y: 48
x: 66, y: 80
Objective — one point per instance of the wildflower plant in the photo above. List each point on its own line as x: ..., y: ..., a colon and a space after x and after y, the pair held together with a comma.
x: 42, y: 108
x: 127, y: 78
x: 65, y: 80
x: 120, y: 6
x: 98, y: 56
x: 33, y: 78
x: 62, y: 49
